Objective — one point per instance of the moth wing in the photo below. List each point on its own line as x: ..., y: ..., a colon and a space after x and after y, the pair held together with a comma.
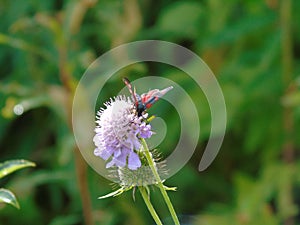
x: 152, y: 96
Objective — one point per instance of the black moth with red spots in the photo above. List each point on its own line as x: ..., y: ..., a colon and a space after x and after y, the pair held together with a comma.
x: 146, y: 100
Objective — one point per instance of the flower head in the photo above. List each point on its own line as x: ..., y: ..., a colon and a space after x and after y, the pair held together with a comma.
x: 117, y: 133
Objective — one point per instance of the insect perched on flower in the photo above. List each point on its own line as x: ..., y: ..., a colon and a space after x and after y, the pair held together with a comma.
x: 146, y: 100
x: 118, y: 134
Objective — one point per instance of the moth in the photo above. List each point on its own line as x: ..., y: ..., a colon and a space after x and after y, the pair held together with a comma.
x: 145, y: 100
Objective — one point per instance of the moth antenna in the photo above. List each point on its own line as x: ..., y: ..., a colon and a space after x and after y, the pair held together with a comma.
x: 130, y: 88
x: 134, y: 95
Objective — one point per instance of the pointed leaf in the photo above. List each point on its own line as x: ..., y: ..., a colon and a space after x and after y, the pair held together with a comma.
x: 115, y: 193
x: 8, y: 197
x: 12, y: 165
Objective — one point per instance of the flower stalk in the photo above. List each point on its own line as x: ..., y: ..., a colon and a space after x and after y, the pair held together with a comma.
x: 149, y: 205
x: 120, y: 140
x: 159, y: 182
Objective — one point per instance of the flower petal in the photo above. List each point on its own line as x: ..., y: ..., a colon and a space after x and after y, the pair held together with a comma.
x: 120, y: 160
x: 134, y: 161
x: 110, y: 164
x: 103, y: 153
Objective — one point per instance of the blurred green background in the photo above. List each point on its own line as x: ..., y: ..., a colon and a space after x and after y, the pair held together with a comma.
x: 253, y: 48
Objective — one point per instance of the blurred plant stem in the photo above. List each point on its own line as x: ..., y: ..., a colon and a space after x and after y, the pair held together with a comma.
x: 65, y: 73
x: 287, y: 77
x: 130, y: 23
x: 81, y: 167
x: 77, y: 14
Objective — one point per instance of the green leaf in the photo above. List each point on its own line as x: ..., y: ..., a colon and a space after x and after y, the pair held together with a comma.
x: 241, y: 29
x: 12, y: 165
x: 8, y: 197
x: 182, y: 19
x: 22, y: 45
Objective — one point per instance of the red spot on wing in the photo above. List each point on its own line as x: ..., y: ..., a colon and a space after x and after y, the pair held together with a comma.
x: 148, y: 105
x: 147, y: 96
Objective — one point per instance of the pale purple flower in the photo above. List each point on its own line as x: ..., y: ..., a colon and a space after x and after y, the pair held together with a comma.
x: 118, y: 133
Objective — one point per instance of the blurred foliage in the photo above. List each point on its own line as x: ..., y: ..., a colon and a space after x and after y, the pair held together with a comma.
x: 7, y: 168
x: 252, y: 46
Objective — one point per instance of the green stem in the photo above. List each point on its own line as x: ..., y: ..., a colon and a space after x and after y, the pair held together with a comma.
x: 149, y: 205
x: 159, y: 182
x: 287, y: 77
x: 286, y: 19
